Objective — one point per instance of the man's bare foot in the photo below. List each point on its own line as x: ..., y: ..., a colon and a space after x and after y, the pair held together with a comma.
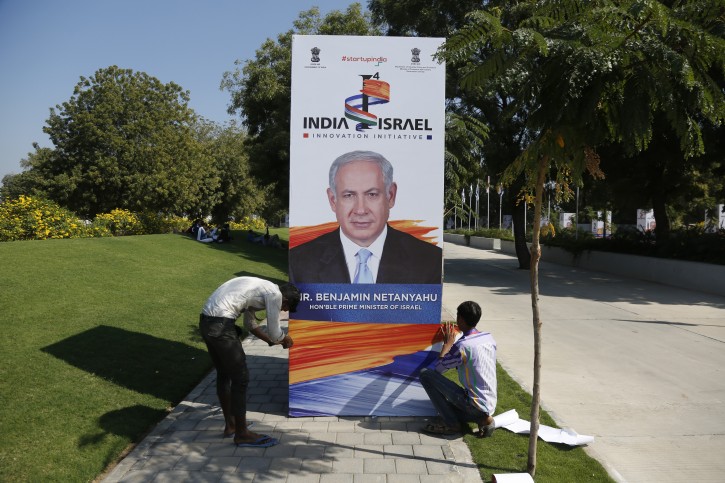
x: 486, y: 427
x: 230, y: 430
x: 249, y: 437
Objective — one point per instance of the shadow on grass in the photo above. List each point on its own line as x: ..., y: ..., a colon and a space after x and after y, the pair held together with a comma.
x: 127, y: 422
x: 193, y: 333
x: 136, y: 361
x: 276, y: 257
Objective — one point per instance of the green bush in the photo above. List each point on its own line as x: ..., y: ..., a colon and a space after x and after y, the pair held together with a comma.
x: 120, y: 222
x: 160, y: 223
x: 248, y: 223
x: 27, y: 218
x: 693, y: 244
x: 485, y: 233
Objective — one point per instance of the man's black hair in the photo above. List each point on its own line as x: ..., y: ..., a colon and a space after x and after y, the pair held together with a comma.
x: 291, y: 294
x: 471, y: 312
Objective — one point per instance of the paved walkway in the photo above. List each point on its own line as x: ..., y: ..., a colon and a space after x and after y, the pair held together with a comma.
x: 188, y: 445
x: 638, y: 365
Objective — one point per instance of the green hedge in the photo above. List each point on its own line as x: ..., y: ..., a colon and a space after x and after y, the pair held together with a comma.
x: 691, y: 244
x: 28, y: 218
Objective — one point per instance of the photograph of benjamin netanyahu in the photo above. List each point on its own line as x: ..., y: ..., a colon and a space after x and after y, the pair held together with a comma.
x: 364, y: 249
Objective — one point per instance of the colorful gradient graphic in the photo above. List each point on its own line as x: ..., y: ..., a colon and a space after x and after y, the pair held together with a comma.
x: 356, y: 107
x: 348, y: 368
x: 302, y: 234
x: 326, y: 348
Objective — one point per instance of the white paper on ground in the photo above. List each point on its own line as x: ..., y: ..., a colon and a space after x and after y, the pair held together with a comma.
x: 572, y: 438
x: 520, y: 426
x: 513, y: 478
x: 504, y: 419
x: 510, y: 420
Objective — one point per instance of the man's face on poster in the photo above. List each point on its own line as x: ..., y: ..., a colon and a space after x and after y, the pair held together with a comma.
x: 360, y: 201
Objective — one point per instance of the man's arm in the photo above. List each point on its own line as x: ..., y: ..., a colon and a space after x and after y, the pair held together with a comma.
x: 273, y: 304
x: 449, y: 356
x: 260, y: 334
x: 449, y: 338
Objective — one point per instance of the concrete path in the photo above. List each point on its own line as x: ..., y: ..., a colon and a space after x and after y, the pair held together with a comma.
x: 638, y: 365
x: 188, y: 444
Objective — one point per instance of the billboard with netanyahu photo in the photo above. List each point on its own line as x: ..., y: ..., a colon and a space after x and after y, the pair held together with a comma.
x: 366, y: 235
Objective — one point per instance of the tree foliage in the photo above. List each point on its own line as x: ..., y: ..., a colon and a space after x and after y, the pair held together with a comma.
x: 260, y: 91
x: 29, y: 181
x: 238, y: 194
x: 597, y: 72
x: 464, y: 143
x: 432, y: 18
x: 591, y: 73
x: 124, y: 140
x: 505, y: 137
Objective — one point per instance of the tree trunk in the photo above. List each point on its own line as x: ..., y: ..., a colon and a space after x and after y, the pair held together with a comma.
x: 519, y: 220
x: 522, y: 250
x: 658, y: 191
x: 662, y: 221
x: 534, y: 275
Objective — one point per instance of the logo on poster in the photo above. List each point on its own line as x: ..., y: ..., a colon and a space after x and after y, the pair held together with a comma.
x: 357, y: 109
x: 315, y: 54
x: 374, y: 91
x: 416, y: 55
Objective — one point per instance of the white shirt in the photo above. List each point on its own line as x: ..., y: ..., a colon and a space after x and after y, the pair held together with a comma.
x: 376, y: 248
x: 474, y: 356
x: 247, y: 295
x: 201, y: 236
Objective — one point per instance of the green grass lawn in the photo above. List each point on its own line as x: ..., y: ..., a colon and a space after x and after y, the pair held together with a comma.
x: 507, y: 452
x: 100, y: 341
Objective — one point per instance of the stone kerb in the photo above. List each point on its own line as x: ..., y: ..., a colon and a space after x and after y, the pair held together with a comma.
x: 455, y: 238
x: 508, y: 247
x: 702, y: 277
x: 485, y: 243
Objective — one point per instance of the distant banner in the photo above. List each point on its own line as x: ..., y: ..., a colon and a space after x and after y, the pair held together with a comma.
x: 367, y: 134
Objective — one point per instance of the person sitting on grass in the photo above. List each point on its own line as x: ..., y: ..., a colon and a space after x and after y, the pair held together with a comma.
x: 225, y: 234
x: 202, y: 234
x: 192, y: 230
x: 474, y: 356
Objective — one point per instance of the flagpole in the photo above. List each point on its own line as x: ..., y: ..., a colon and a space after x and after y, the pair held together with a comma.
x: 477, y: 205
x: 500, y: 207
x: 463, y: 200
x: 488, y: 203
x: 470, y: 199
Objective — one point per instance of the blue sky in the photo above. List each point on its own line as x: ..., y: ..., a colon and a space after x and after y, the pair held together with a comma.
x: 46, y: 45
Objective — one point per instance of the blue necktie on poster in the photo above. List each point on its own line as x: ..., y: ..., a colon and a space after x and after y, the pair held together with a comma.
x: 363, y: 274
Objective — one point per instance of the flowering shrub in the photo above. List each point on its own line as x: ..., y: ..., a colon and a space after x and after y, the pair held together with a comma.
x: 27, y: 218
x: 248, y: 223
x: 120, y: 222
x: 548, y: 230
x: 160, y: 223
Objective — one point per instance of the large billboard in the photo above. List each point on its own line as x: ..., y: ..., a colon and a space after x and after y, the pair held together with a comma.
x: 366, y: 204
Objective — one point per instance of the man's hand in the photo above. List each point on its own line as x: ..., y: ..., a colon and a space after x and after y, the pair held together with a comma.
x: 287, y: 342
x: 449, y: 337
x: 260, y: 334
